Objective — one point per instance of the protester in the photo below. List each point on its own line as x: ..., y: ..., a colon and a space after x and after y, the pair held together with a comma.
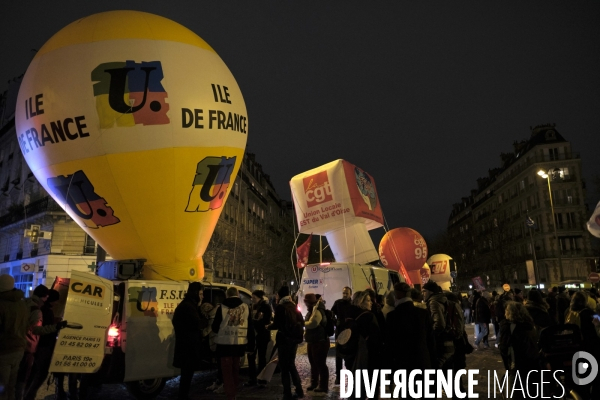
x: 493, y: 302
x: 286, y: 317
x: 417, y: 299
x: 14, y: 320
x: 466, y: 306
x: 407, y: 324
x: 518, y: 296
x: 482, y: 319
x: 462, y: 347
x: 261, y: 317
x: 188, y: 324
x: 34, y: 304
x: 390, y: 301
x: 368, y: 352
x: 436, y: 304
x: 235, y: 334
x: 376, y: 308
x: 45, y: 346
x: 317, y: 343
x: 538, y: 310
x: 341, y: 310
x: 518, y: 345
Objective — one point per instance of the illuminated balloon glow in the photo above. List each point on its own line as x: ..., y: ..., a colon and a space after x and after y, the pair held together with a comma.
x: 339, y: 200
x: 404, y: 248
x: 440, y: 270
x: 137, y: 128
x: 593, y: 224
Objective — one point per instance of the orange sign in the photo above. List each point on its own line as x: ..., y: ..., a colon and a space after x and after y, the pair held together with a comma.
x: 317, y: 189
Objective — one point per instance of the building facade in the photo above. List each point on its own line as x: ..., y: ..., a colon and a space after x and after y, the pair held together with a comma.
x: 509, y: 231
x: 39, y: 241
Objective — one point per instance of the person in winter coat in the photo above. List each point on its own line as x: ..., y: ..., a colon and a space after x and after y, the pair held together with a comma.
x: 14, y: 321
x: 591, y: 341
x: 466, y: 306
x: 518, y: 345
x: 341, y: 310
x: 368, y: 352
x: 317, y: 343
x: 482, y: 319
x: 44, y: 350
x: 436, y: 304
x: 286, y: 316
x: 408, y: 324
x: 188, y: 324
x: 417, y: 299
x: 261, y: 317
x: 538, y: 310
x: 234, y: 327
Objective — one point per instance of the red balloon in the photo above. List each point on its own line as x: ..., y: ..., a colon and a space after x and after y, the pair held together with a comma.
x: 403, y: 246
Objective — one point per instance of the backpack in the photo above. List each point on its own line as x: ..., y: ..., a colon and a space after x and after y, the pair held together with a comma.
x: 330, y: 324
x: 452, y: 318
x: 347, y: 340
x: 294, y: 325
x: 573, y: 317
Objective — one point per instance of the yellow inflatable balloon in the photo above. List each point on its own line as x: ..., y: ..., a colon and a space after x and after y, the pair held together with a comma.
x: 137, y: 128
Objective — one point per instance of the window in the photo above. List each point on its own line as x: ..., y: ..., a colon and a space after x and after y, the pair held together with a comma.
x: 571, y: 219
x: 553, y: 154
x: 24, y: 282
x: 558, y: 219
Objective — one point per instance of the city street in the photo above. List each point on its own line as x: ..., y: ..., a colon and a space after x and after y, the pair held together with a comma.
x: 484, y: 360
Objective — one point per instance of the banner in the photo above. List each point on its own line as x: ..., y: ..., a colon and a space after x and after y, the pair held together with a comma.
x: 530, y: 272
x: 88, y: 311
x: 302, y: 253
x: 593, y: 224
x: 478, y: 283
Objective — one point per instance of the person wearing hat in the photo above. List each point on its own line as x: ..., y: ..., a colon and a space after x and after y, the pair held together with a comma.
x: 436, y: 304
x: 188, y: 324
x: 408, y: 334
x: 287, y: 315
x: 317, y: 343
x: 14, y: 321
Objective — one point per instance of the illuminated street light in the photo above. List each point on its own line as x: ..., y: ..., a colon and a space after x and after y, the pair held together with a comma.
x: 546, y: 175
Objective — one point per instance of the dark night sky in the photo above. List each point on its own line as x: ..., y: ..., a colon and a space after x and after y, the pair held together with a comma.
x: 422, y: 95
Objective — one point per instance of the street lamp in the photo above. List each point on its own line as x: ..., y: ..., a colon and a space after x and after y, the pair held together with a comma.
x: 546, y: 175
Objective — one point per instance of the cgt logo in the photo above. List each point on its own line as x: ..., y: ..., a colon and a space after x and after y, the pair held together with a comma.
x: 584, y: 368
x: 317, y: 189
x: 77, y: 192
x: 129, y: 93
x: 213, y: 175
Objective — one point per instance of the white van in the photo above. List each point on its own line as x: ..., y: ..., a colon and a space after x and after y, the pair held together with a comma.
x: 329, y: 279
x: 140, y: 340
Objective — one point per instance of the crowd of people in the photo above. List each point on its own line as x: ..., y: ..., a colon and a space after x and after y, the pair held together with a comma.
x: 373, y: 332
x: 408, y: 330
x: 28, y: 330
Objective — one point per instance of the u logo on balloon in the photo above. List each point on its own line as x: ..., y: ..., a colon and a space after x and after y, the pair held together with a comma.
x: 78, y: 193
x: 213, y: 176
x: 130, y: 93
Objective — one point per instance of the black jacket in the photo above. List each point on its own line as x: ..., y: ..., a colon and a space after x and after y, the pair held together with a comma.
x: 233, y: 350
x: 408, y: 338
x: 281, y: 321
x: 341, y: 309
x: 261, y: 315
x: 188, y: 324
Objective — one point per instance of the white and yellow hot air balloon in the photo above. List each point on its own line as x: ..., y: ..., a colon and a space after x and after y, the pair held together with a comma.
x: 137, y: 128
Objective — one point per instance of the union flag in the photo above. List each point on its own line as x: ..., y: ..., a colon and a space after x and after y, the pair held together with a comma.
x: 302, y: 253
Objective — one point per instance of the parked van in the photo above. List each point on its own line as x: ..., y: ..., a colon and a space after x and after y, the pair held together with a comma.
x: 329, y: 279
x: 140, y: 340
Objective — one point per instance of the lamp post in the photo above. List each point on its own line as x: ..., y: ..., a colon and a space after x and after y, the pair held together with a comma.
x: 546, y: 175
